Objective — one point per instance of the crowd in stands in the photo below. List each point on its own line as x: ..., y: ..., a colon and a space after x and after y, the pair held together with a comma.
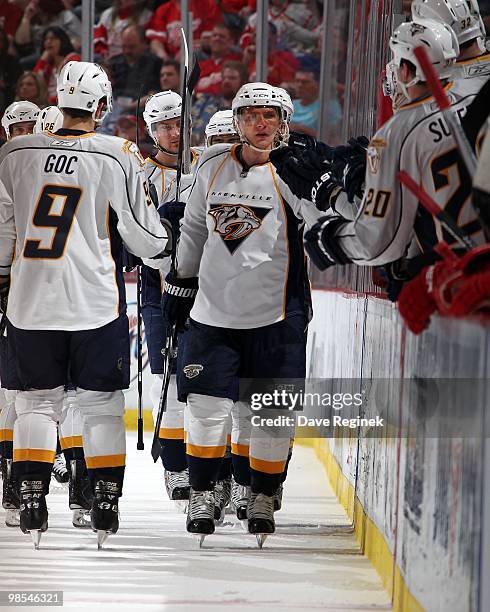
x: 138, y: 43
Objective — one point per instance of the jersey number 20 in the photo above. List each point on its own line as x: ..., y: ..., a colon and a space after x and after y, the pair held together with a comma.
x: 59, y: 222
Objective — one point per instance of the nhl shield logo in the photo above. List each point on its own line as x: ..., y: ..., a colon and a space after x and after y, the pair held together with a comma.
x: 192, y: 370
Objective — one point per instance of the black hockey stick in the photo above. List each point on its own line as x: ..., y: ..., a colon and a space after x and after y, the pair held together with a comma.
x: 189, y: 82
x: 3, y: 323
x: 168, y: 356
x: 140, y: 445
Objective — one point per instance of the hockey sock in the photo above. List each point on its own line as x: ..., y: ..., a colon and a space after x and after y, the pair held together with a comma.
x: 173, y: 454
x: 7, y: 420
x: 241, y: 469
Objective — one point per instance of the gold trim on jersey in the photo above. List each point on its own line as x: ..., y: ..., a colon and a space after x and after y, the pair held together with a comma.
x: 474, y: 60
x: 159, y: 165
x: 287, y: 239
x: 243, y: 450
x: 70, y: 136
x: 216, y: 174
x: 424, y: 100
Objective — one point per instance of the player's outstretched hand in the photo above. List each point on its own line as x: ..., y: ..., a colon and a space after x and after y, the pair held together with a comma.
x: 308, y: 176
x: 4, y: 292
x: 349, y: 166
x: 177, y: 299
x: 322, y: 245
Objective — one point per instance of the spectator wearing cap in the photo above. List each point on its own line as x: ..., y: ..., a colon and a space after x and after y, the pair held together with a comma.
x: 136, y: 71
x: 307, y: 104
x: 57, y: 50
x: 163, y: 31
x: 170, y: 76
x: 281, y: 65
x: 234, y: 75
x: 113, y: 21
x: 221, y: 44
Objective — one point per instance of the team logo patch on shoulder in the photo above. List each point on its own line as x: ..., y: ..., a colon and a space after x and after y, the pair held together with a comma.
x: 192, y: 370
x: 235, y: 222
x: 374, y: 152
x: 131, y: 147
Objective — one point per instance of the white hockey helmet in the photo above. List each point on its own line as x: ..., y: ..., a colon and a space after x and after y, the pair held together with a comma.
x: 463, y: 16
x: 438, y: 40
x: 160, y: 107
x: 287, y: 103
x: 49, y: 119
x: 19, y: 112
x: 220, y: 123
x: 83, y: 85
x: 261, y: 94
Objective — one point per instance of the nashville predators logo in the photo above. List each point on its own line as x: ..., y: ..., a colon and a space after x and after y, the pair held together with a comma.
x: 234, y: 222
x: 192, y: 370
x: 374, y: 153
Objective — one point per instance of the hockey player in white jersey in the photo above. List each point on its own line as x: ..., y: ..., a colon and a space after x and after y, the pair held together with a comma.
x: 472, y: 68
x: 221, y: 129
x: 241, y: 243
x: 417, y: 140
x: 19, y: 119
x: 162, y: 118
x: 50, y: 119
x: 61, y: 236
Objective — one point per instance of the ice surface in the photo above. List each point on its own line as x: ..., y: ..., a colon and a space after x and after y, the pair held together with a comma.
x: 151, y: 564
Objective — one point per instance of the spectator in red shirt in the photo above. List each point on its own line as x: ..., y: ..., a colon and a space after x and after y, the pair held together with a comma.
x: 222, y: 40
x: 282, y: 65
x: 164, y: 28
x: 112, y: 22
x: 57, y: 50
x: 10, y: 16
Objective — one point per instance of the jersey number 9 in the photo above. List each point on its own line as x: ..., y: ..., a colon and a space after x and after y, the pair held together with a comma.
x: 60, y: 222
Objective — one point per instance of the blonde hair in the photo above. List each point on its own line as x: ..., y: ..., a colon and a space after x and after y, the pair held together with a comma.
x: 42, y: 93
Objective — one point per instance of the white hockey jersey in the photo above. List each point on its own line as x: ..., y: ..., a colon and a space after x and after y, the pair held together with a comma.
x: 66, y: 202
x: 243, y: 236
x: 469, y: 76
x: 418, y: 141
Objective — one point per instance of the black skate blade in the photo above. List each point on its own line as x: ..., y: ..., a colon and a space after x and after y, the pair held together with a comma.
x: 261, y: 538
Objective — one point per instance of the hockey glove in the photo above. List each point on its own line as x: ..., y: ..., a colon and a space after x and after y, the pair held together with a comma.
x: 349, y: 167
x: 308, y: 176
x: 173, y: 211
x: 322, y: 245
x: 177, y: 300
x: 473, y: 296
x: 4, y: 292
x: 416, y: 304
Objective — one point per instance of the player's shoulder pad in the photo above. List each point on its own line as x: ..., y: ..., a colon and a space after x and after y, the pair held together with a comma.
x: 214, y: 154
x: 120, y: 148
x: 24, y: 142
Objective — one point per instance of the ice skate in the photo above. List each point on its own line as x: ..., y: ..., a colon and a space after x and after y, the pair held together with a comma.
x: 10, y: 495
x: 105, y: 510
x: 200, y: 515
x: 278, y: 498
x: 178, y: 488
x: 222, y: 497
x: 240, y: 496
x: 261, y: 516
x: 60, y: 474
x: 33, y: 509
x: 80, y: 494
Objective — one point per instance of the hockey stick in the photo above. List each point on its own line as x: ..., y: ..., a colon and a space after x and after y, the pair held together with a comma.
x: 168, y: 355
x: 434, y: 209
x: 189, y: 82
x: 140, y: 445
x: 3, y: 323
